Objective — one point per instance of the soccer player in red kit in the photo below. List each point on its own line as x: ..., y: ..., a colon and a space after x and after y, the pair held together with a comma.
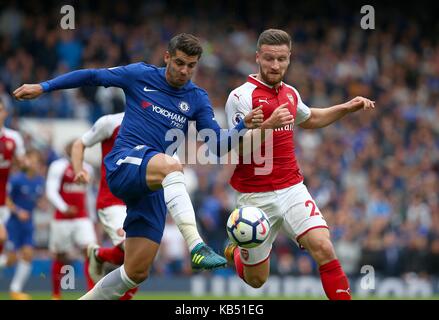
x: 11, y: 147
x: 111, y: 210
x: 280, y: 192
x: 71, y: 225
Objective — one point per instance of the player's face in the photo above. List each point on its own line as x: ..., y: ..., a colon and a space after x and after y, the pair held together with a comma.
x: 32, y: 162
x: 179, y: 68
x: 273, y: 61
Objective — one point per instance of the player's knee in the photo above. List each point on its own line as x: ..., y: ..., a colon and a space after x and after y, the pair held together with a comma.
x: 171, y: 166
x: 137, y: 275
x: 255, y: 281
x: 323, y: 250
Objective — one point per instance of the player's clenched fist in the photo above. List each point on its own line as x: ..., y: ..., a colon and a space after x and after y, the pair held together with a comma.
x: 280, y: 117
x: 82, y: 177
x: 254, y: 119
x: 28, y: 91
x: 360, y: 103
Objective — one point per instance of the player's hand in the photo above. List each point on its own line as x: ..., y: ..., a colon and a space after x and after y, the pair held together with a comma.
x: 23, y: 215
x: 254, y: 119
x: 28, y: 91
x: 360, y: 103
x: 71, y: 211
x: 82, y: 177
x: 280, y: 117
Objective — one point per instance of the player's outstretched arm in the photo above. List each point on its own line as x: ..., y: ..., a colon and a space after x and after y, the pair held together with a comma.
x: 77, y: 157
x: 322, y: 117
x: 113, y: 77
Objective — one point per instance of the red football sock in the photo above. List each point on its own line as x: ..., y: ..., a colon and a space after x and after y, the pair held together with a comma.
x: 334, y: 281
x: 129, y: 294
x: 1, y: 247
x: 238, y: 263
x: 90, y: 283
x: 56, y: 277
x: 114, y: 255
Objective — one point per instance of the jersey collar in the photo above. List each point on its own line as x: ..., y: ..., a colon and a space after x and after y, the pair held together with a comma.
x: 252, y: 79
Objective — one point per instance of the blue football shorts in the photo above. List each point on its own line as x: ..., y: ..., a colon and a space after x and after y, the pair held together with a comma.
x: 126, y: 177
x: 20, y: 233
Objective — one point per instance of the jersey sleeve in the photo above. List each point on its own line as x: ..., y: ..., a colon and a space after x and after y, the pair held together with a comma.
x: 53, y: 185
x: 19, y: 145
x: 121, y: 77
x: 303, y: 111
x: 219, y: 141
x: 237, y: 107
x: 100, y: 131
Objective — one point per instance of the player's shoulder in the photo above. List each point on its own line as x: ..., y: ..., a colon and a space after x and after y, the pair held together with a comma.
x: 12, y: 134
x: 17, y: 177
x: 244, y: 90
x: 59, y: 163
x: 109, y: 120
x: 292, y: 88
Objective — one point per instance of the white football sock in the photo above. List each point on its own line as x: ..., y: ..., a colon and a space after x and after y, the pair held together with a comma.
x: 3, y: 260
x: 180, y: 207
x: 21, y: 275
x: 111, y: 287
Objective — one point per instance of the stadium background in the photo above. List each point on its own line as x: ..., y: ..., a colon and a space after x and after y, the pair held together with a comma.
x: 373, y: 175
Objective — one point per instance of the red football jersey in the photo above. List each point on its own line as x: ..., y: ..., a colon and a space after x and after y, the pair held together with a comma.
x: 11, y: 144
x: 63, y: 192
x: 277, y: 167
x: 104, y: 131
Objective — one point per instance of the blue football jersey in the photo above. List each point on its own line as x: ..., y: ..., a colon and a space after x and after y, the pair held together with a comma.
x: 25, y: 191
x: 153, y: 107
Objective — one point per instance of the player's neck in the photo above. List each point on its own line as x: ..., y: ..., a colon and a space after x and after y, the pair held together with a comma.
x: 274, y: 86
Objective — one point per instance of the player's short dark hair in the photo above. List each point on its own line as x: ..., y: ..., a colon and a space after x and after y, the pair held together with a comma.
x: 187, y: 43
x: 36, y: 153
x: 274, y: 37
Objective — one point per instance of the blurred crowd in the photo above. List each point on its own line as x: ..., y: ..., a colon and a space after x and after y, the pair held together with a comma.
x: 374, y: 175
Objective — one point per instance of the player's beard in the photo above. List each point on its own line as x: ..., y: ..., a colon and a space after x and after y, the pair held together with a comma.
x: 270, y: 78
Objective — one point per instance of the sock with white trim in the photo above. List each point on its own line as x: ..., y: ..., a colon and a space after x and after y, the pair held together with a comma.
x: 21, y: 275
x: 180, y: 207
x: 111, y: 287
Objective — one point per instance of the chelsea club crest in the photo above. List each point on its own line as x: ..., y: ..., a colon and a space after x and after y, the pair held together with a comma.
x: 184, y: 106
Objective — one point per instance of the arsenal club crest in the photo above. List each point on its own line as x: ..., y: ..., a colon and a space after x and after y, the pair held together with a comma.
x: 291, y: 98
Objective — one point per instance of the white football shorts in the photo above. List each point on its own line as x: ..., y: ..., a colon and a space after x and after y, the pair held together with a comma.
x: 291, y: 209
x: 68, y: 233
x: 112, y: 219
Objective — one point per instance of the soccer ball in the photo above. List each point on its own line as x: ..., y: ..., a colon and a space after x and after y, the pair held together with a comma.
x: 248, y: 227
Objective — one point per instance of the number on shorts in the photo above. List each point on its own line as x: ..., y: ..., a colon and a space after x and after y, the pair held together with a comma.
x: 313, y: 208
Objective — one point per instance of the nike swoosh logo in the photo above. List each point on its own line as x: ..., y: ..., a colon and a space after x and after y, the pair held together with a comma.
x: 264, y: 229
x: 148, y: 90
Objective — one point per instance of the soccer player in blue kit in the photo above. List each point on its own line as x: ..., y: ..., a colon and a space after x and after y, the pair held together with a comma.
x: 138, y: 169
x: 25, y: 190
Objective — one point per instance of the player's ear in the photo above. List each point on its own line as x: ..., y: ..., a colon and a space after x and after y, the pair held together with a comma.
x: 167, y: 57
x: 257, y: 57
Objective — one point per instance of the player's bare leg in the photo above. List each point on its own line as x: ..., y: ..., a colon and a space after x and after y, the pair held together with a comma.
x: 334, y: 281
x: 89, y: 280
x: 165, y: 172
x: 254, y: 276
x: 22, y: 273
x: 139, y: 256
